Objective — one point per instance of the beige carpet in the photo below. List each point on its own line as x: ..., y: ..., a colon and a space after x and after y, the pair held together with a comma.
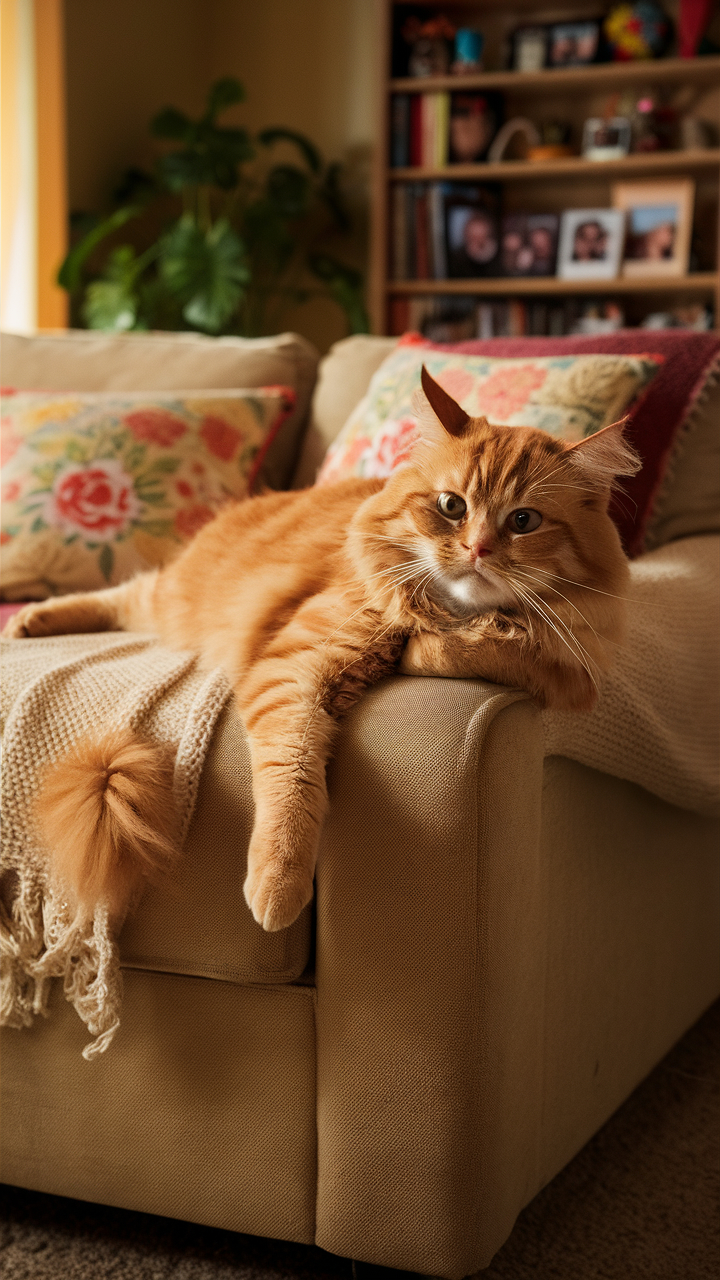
x: 640, y: 1202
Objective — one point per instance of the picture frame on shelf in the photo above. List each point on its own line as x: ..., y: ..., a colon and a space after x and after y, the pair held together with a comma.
x: 606, y: 139
x: 528, y: 244
x: 659, y: 225
x: 573, y: 44
x: 472, y: 230
x: 591, y: 244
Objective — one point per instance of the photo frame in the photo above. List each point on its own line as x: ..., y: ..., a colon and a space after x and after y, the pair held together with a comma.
x: 591, y: 244
x: 528, y: 244
x: 573, y: 44
x: 472, y: 230
x: 659, y: 225
x: 529, y: 48
x: 606, y: 139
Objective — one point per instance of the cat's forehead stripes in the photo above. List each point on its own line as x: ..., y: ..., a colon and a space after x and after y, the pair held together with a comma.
x: 505, y: 463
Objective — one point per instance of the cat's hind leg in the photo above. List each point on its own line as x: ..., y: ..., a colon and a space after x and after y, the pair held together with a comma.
x: 128, y: 607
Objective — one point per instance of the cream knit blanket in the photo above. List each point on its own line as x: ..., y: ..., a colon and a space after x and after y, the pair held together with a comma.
x: 657, y: 722
x: 55, y: 691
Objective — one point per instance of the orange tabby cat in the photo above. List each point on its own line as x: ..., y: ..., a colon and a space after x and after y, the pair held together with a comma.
x: 489, y: 554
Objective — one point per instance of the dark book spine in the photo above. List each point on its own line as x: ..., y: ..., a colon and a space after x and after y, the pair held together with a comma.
x: 416, y: 131
x: 400, y: 131
x: 422, y: 245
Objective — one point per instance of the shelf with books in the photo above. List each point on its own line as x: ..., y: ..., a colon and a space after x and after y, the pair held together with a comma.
x: 681, y: 71
x: 571, y: 167
x: 434, y: 183
x: 699, y: 282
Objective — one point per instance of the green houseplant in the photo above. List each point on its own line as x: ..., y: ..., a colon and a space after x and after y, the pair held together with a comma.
x: 234, y: 237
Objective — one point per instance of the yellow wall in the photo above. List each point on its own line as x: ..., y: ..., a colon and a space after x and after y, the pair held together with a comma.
x: 306, y: 64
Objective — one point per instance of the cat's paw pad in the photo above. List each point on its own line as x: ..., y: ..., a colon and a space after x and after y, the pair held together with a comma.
x: 277, y: 893
x: 32, y: 620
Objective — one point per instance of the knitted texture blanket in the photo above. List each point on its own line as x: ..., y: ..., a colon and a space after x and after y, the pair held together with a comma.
x: 55, y: 691
x: 657, y: 721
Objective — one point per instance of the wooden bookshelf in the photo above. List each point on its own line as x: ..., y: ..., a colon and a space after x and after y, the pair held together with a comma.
x: 575, y: 93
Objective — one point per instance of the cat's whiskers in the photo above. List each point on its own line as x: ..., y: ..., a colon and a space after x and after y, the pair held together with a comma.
x: 535, y: 603
x: 562, y: 597
x: 585, y: 587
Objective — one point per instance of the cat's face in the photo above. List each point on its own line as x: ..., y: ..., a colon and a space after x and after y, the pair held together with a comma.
x: 487, y: 517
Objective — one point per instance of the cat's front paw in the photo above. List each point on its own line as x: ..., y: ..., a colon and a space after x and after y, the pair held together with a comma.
x: 276, y: 893
x: 28, y: 621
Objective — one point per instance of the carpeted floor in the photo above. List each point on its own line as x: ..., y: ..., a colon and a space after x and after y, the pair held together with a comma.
x: 640, y: 1202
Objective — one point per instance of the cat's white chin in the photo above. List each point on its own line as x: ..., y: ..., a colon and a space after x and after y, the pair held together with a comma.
x: 471, y: 593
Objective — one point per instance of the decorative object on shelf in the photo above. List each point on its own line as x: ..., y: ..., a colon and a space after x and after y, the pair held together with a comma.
x: 591, y: 243
x: 604, y: 316
x: 472, y: 230
x: 696, y: 316
x: 529, y: 244
x: 693, y: 21
x: 430, y: 51
x: 573, y: 44
x: 654, y: 125
x: 519, y: 127
x: 606, y: 139
x: 529, y: 48
x: 554, y: 142
x: 468, y: 52
x: 636, y: 31
x: 474, y: 122
x: 659, y: 224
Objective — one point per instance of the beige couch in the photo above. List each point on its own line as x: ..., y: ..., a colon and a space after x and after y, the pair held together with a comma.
x: 503, y: 945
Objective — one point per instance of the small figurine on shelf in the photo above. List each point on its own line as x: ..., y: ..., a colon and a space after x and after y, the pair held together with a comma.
x: 468, y: 52
x: 430, y: 45
x: 637, y: 31
x: 554, y: 142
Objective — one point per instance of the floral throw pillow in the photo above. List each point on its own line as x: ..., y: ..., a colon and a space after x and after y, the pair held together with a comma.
x: 98, y: 486
x: 569, y: 396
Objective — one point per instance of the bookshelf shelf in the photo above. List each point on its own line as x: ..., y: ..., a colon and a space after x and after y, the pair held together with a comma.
x: 700, y: 282
x: 574, y: 167
x: 683, y: 71
x: 408, y: 202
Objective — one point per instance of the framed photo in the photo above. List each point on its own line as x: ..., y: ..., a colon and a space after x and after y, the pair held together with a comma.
x: 606, y: 139
x: 472, y: 230
x: 529, y: 48
x: 591, y: 244
x: 474, y: 120
x: 659, y: 224
x: 573, y: 44
x: 528, y: 244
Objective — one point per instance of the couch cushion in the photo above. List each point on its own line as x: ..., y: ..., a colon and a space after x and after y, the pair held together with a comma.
x: 204, y: 926
x: 101, y: 485
x: 82, y: 360
x: 343, y: 379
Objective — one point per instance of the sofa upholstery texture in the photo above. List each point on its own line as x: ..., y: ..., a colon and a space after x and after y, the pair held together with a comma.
x: 502, y: 945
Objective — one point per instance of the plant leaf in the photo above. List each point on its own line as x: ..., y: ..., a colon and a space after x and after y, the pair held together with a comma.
x: 68, y: 276
x: 224, y: 93
x: 288, y: 189
x: 109, y: 305
x: 171, y: 123
x: 308, y: 150
x: 206, y: 270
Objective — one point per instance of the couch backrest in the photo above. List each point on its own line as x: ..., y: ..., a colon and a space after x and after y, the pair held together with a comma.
x: 81, y: 360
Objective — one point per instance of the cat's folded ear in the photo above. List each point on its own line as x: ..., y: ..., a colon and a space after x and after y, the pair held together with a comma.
x: 603, y: 456
x: 437, y: 413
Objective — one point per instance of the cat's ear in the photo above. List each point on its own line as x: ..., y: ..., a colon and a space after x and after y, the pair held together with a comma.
x: 604, y: 455
x: 434, y: 408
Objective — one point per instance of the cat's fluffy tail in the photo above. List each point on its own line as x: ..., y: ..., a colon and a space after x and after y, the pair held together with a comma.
x: 107, y: 818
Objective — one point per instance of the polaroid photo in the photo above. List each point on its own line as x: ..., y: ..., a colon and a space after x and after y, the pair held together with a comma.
x: 573, y: 44
x: 591, y: 244
x: 606, y: 139
x: 659, y: 225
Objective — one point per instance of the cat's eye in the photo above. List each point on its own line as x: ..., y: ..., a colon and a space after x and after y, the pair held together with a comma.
x: 452, y: 506
x: 524, y: 520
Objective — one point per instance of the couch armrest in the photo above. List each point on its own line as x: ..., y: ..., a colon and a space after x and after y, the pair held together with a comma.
x: 430, y: 975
